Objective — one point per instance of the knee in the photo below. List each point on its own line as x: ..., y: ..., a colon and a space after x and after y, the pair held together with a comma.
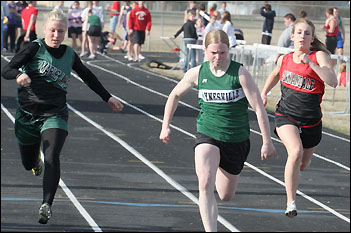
x: 295, y: 155
x: 205, y: 184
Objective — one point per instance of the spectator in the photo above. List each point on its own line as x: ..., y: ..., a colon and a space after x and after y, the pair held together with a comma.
x: 94, y: 33
x: 4, y: 14
x: 20, y: 5
x: 123, y: 18
x: 266, y: 11
x: 331, y: 27
x: 99, y: 11
x: 115, y: 10
x: 10, y: 27
x: 200, y: 28
x: 285, y: 37
x: 139, y: 21
x: 342, y: 75
x: 302, y: 14
x: 130, y: 45
x: 59, y: 6
x: 190, y: 37
x: 212, y: 25
x: 29, y: 19
x: 75, y: 24
x: 203, y: 15
x: 341, y: 33
x: 223, y: 9
x: 213, y: 8
x: 228, y: 28
x: 192, y: 8
x: 85, y: 28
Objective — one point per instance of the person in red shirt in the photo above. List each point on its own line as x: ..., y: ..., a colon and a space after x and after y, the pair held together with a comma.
x: 29, y: 18
x: 139, y: 21
x: 298, y: 115
x: 115, y: 10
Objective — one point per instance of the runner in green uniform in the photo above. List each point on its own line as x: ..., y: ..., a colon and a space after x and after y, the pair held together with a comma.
x: 42, y: 114
x: 222, y: 141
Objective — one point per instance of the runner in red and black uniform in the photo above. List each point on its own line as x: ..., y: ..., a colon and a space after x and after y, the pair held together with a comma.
x: 302, y: 75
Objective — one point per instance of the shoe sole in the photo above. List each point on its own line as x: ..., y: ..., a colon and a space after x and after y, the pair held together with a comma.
x: 291, y: 214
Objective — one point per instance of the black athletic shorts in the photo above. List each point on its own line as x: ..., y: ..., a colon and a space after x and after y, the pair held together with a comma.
x: 138, y: 37
x: 94, y: 31
x: 310, y: 129
x: 233, y: 154
x: 77, y: 31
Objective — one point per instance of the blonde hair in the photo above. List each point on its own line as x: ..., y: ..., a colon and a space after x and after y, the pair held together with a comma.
x: 316, y: 45
x: 342, y: 68
x: 56, y: 15
x: 216, y: 37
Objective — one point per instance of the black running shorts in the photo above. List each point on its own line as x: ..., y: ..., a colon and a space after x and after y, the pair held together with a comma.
x: 233, y: 154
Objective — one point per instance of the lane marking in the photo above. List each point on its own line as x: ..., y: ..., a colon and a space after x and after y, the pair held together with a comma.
x: 197, y: 109
x: 64, y: 187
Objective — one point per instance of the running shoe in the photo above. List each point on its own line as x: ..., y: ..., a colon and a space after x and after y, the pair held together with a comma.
x: 291, y: 210
x: 141, y: 57
x: 83, y: 54
x: 92, y: 56
x: 44, y: 213
x: 38, y: 168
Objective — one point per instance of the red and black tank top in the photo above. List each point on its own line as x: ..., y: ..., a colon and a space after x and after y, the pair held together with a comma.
x: 301, y: 89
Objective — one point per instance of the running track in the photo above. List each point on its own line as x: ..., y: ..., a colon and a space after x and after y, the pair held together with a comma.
x: 116, y: 175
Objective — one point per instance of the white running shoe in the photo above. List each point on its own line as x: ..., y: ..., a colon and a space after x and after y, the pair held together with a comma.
x: 83, y: 54
x: 92, y: 56
x: 141, y: 57
x: 291, y: 210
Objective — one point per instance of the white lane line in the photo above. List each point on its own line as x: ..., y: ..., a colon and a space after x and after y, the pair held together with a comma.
x: 68, y: 192
x: 197, y: 109
x: 246, y: 163
x: 131, y: 65
x: 169, y: 180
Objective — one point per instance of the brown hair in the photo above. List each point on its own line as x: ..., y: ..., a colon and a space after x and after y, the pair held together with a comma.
x: 216, y: 37
x: 226, y: 17
x: 316, y: 45
x: 342, y: 67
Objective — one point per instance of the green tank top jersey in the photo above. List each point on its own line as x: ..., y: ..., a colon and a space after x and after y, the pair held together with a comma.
x: 224, y: 107
x: 55, y: 71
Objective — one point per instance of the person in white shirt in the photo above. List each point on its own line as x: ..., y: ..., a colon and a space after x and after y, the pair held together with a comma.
x: 229, y: 29
x: 223, y: 9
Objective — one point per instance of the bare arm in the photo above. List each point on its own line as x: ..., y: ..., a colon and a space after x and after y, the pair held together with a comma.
x: 252, y: 94
x: 324, y: 70
x: 188, y: 82
x: 271, y: 81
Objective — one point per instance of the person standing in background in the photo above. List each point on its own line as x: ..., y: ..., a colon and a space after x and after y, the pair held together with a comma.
x: 115, y: 10
x: 192, y: 8
x: 266, y: 11
x: 223, y: 8
x: 190, y: 37
x: 85, y: 28
x: 140, y: 19
x: 75, y: 24
x: 59, y: 6
x: 229, y: 29
x: 10, y: 28
x: 285, y: 38
x: 341, y: 33
x: 20, y: 5
x: 331, y: 27
x: 4, y: 14
x: 29, y: 18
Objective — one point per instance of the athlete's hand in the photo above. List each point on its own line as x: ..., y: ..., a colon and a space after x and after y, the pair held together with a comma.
x: 23, y: 80
x: 115, y: 105
x: 304, y: 59
x: 267, y: 150
x: 264, y: 99
x: 164, y: 135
